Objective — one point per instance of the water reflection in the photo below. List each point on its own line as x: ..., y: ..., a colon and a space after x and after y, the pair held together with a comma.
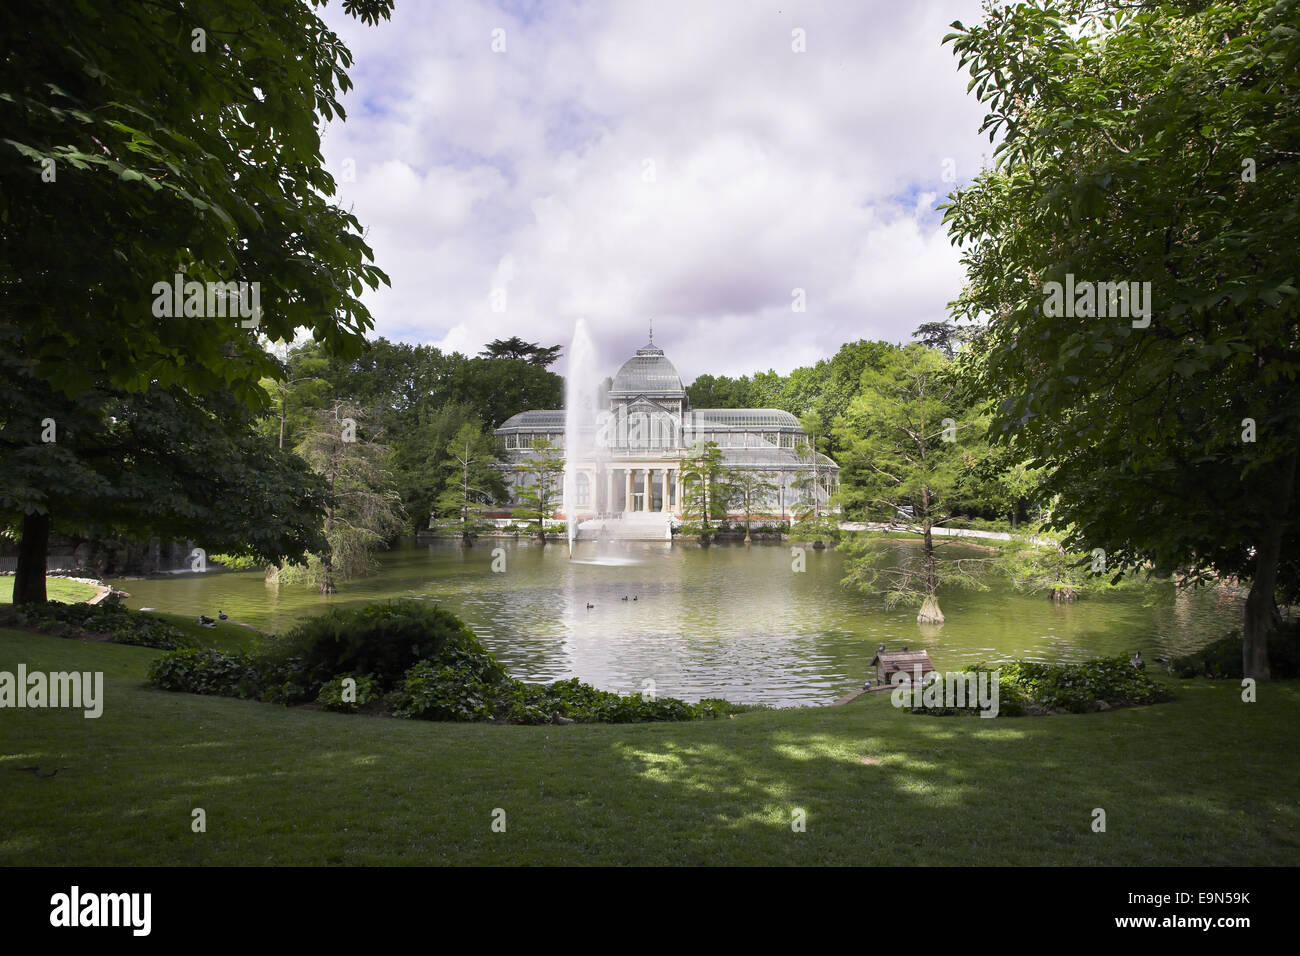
x: 727, y: 621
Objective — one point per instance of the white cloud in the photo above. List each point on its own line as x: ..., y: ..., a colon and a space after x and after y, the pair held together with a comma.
x: 771, y: 170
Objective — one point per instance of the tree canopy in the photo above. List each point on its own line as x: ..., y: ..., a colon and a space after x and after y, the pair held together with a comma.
x: 911, y: 445
x: 1151, y: 148
x: 417, y: 398
x: 163, y: 204
x: 516, y: 348
x: 146, y: 140
x: 159, y: 462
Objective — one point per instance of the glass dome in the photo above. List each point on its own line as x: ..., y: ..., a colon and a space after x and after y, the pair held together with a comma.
x: 648, y: 373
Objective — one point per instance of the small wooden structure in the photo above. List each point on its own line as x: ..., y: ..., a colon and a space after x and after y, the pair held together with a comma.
x: 909, y: 663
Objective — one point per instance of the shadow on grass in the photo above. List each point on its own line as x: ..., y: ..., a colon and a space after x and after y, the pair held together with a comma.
x: 1202, y: 780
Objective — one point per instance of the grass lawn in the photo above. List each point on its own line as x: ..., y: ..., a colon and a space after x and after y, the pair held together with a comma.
x: 56, y: 589
x: 1203, y: 780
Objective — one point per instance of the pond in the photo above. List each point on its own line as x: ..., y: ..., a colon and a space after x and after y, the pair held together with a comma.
x: 729, y: 621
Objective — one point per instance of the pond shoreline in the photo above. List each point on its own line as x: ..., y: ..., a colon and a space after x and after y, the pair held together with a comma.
x: 753, y: 624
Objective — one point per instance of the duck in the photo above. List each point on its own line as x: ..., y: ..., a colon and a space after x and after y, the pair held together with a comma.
x: 1136, y: 660
x: 205, y: 621
x: 634, y: 597
x: 624, y: 597
x: 222, y: 616
x: 590, y: 605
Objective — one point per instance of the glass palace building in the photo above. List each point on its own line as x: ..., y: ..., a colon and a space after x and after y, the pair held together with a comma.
x: 640, y: 428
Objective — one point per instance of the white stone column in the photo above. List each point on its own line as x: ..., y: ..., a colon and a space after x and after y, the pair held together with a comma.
x: 677, y: 498
x: 663, y: 506
x: 609, y: 492
x: 627, y: 491
x: 649, y: 490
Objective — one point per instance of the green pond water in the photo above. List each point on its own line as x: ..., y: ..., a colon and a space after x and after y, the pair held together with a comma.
x: 727, y: 621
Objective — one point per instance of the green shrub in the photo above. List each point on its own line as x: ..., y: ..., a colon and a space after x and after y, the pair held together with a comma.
x: 278, y: 680
x: 523, y: 703
x: 113, y: 621
x: 366, y: 694
x: 237, y: 562
x: 713, y: 708
x: 822, y: 527
x: 203, y: 671
x: 449, y: 692
x: 1029, y: 687
x: 452, y: 676
x: 1013, y: 698
x: 1078, y: 687
x: 379, y: 640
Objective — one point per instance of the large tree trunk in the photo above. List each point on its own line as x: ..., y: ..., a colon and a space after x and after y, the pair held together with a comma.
x: 1261, y: 608
x: 29, y: 577
x: 327, y: 585
x: 930, y: 613
x: 1259, y: 616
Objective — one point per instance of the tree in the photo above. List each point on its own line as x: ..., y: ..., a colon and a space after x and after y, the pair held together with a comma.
x: 363, y: 510
x: 750, y: 489
x: 499, y: 388
x: 420, y: 465
x: 391, y: 380
x: 1133, y: 256
x: 418, y: 398
x: 516, y: 348
x: 301, y: 389
x: 814, y: 503
x: 709, y: 391
x: 823, y: 390
x: 1006, y: 484
x: 813, y: 494
x: 767, y: 390
x: 148, y: 146
x: 159, y: 462
x: 703, y: 492
x: 1041, y: 565
x: 154, y: 139
x: 905, y: 457
x: 472, y: 480
x: 545, y: 464
x: 944, y: 336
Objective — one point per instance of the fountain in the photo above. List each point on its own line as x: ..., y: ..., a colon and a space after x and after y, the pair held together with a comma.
x: 579, y: 420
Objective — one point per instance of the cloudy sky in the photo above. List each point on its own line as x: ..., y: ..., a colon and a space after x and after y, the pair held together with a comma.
x: 519, y: 165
